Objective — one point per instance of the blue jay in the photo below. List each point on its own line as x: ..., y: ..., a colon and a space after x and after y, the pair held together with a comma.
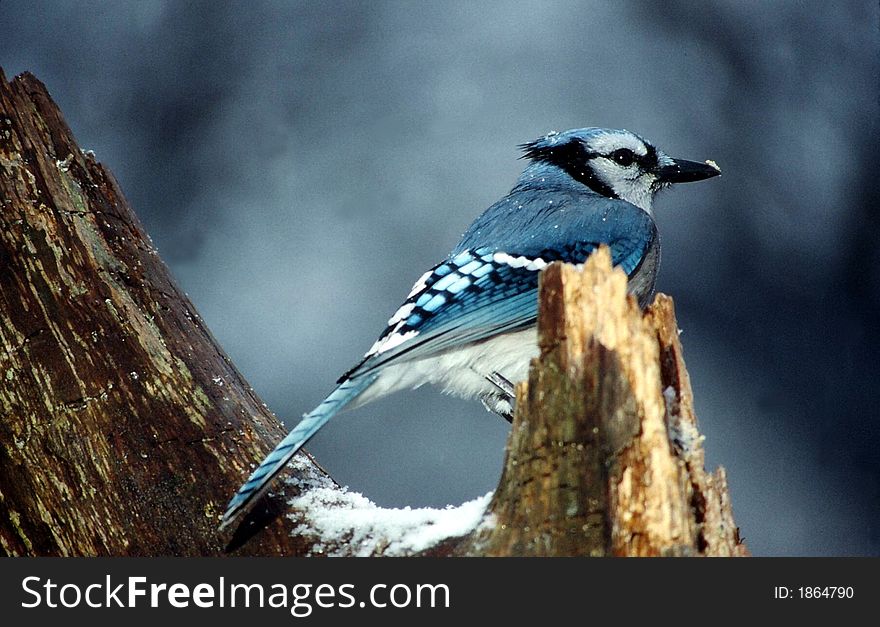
x: 468, y: 325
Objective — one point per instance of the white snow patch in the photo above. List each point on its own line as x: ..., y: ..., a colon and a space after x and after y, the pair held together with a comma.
x: 683, y: 434
x: 349, y: 524
x: 306, y: 476
x: 64, y: 165
x: 670, y: 396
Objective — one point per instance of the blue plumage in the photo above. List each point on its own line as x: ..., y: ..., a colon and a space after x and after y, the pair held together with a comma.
x: 468, y: 323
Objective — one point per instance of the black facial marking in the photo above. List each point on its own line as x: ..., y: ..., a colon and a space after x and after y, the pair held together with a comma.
x: 649, y: 161
x: 573, y: 158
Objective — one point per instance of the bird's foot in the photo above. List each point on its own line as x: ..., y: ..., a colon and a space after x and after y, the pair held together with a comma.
x: 503, y: 384
x: 500, y: 402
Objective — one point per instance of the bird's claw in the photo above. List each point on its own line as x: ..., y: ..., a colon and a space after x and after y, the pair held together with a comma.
x: 500, y: 402
x: 502, y: 383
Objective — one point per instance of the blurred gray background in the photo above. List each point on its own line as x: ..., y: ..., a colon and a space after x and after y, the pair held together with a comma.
x: 299, y: 164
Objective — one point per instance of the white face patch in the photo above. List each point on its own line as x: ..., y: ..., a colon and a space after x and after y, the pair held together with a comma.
x: 663, y: 159
x: 606, y: 143
x: 630, y: 183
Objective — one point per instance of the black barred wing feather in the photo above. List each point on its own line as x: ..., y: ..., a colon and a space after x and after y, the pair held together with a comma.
x: 481, y: 291
x: 475, y: 295
x: 470, y: 297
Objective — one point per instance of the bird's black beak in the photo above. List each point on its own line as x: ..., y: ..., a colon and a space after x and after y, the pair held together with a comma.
x: 683, y: 171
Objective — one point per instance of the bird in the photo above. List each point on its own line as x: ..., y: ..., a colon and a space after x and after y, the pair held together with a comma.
x: 468, y: 324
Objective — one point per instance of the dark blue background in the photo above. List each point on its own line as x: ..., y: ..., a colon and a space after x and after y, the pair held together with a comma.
x: 299, y: 164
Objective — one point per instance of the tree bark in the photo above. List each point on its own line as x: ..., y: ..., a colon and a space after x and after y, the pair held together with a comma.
x: 605, y: 457
x: 124, y: 428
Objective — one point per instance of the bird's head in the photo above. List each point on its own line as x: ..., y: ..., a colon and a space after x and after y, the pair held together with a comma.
x: 616, y: 163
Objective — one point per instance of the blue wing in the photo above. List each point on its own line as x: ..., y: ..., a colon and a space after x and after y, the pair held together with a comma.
x: 482, y: 291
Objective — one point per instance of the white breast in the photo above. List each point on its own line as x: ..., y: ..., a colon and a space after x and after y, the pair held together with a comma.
x: 461, y: 372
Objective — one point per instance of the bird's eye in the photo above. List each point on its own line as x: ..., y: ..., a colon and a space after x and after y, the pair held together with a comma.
x: 624, y: 157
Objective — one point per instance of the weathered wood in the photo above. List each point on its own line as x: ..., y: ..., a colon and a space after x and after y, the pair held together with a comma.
x: 124, y: 428
x: 605, y: 457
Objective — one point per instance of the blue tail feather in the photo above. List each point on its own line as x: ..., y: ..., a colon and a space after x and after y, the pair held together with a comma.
x: 259, y: 480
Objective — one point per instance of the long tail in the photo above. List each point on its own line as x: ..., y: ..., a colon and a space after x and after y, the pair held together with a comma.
x: 260, y: 479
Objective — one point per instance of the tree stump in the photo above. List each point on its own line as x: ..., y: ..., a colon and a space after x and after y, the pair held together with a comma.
x: 605, y: 457
x: 125, y: 429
